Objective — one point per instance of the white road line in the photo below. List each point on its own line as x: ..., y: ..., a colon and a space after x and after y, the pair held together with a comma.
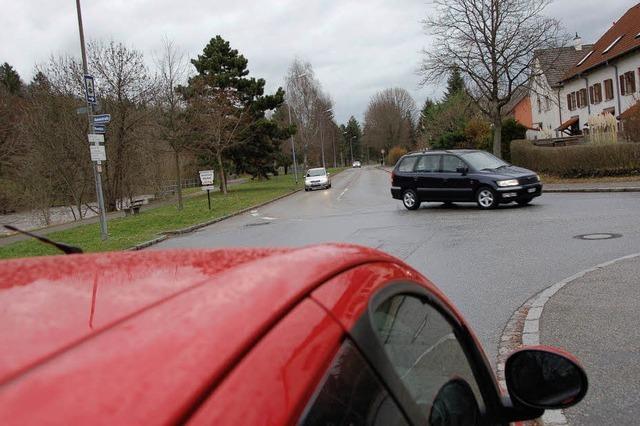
x: 343, y: 192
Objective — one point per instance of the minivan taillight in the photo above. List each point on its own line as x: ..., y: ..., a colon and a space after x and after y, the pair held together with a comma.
x: 393, y: 177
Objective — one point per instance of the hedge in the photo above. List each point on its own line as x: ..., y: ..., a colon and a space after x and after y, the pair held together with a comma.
x: 578, y: 160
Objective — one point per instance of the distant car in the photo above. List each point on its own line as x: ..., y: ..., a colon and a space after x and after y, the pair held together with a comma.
x: 459, y: 176
x: 317, y: 178
x: 331, y: 334
x: 357, y: 164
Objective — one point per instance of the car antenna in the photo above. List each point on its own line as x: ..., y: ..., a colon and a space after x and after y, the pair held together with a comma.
x: 65, y: 248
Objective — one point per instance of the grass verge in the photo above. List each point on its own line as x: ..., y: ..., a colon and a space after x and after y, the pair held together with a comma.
x: 126, y: 232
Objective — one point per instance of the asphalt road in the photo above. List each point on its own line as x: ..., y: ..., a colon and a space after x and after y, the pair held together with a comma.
x: 487, y: 262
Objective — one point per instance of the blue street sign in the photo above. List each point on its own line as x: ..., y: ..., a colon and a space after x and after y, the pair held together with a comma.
x: 99, y: 128
x: 89, y: 88
x: 101, y: 118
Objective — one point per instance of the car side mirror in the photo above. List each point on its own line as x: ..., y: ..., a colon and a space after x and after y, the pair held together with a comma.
x: 328, y: 174
x: 545, y: 379
x: 463, y: 170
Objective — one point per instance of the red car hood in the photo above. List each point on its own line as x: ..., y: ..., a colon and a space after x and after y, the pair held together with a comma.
x: 164, y: 325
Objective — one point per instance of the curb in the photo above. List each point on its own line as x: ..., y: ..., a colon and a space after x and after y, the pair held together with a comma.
x: 195, y: 227
x: 523, y: 329
x: 568, y: 190
x: 564, y: 190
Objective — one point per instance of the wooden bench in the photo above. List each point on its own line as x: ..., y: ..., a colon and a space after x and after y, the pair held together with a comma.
x: 134, y: 208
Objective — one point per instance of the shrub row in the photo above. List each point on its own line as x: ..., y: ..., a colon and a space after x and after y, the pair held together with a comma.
x: 579, y: 160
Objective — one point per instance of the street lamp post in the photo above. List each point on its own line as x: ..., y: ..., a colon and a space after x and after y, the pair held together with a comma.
x: 322, y: 135
x: 97, y: 166
x: 293, y: 148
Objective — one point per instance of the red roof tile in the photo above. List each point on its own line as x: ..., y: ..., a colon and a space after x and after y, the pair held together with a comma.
x: 628, y: 26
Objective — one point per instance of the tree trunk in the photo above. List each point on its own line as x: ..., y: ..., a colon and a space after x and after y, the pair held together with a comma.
x: 497, y: 136
x: 178, y: 178
x: 223, y: 178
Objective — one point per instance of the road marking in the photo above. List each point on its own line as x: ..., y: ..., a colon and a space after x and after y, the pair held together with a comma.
x: 341, y: 194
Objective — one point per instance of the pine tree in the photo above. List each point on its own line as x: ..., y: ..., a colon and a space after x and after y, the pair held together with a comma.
x: 10, y: 78
x: 455, y: 84
x: 221, y: 71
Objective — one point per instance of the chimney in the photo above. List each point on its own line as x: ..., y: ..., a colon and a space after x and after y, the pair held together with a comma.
x: 577, y: 43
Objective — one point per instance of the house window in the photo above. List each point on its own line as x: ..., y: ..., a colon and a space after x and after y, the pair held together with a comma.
x: 597, y: 93
x: 582, y: 98
x: 571, y: 101
x: 539, y: 105
x: 629, y: 83
x: 608, y: 89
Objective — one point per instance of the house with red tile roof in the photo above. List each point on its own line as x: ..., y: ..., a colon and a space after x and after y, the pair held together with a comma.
x: 581, y: 81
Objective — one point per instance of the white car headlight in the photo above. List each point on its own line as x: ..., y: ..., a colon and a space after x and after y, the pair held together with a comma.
x: 508, y: 182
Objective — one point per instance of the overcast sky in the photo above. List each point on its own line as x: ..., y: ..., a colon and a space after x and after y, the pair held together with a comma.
x: 356, y: 47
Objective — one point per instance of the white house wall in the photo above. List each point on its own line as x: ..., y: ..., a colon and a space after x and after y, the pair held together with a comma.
x: 547, y: 116
x: 550, y: 119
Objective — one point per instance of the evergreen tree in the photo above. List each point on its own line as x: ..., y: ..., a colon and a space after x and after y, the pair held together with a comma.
x: 10, y: 78
x: 352, y: 138
x: 426, y: 111
x: 255, y: 146
x: 455, y: 84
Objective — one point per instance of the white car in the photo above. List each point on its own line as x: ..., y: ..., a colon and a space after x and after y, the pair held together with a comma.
x: 316, y: 179
x: 357, y: 164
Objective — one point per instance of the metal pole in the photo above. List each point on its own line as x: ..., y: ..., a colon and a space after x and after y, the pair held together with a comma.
x: 97, y: 166
x: 293, y: 148
x: 209, y: 199
x: 351, y: 146
x: 322, y: 144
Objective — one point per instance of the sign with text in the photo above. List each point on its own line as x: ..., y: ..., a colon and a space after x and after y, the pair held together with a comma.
x: 206, y: 177
x: 208, y: 188
x: 98, y: 153
x: 90, y: 89
x: 101, y: 118
x: 99, y: 128
x: 95, y: 138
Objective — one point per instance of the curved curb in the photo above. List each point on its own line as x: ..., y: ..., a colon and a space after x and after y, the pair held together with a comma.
x: 523, y: 329
x: 167, y: 234
x: 592, y: 190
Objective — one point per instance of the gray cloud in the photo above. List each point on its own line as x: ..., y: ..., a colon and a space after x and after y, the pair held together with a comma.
x: 357, y: 48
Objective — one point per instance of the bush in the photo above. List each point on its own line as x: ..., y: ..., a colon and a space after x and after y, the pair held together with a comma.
x: 511, y: 130
x: 394, y: 154
x: 579, y: 160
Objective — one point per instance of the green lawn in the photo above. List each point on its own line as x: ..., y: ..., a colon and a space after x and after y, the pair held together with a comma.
x: 126, y: 232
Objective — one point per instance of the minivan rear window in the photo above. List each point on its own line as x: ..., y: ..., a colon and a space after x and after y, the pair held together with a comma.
x: 406, y: 164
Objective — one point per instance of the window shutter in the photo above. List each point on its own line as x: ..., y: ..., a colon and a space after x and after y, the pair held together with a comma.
x: 592, y: 97
x: 622, y: 91
x: 569, y: 102
x: 631, y: 82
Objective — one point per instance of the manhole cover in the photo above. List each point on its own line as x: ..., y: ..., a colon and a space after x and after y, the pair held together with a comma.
x: 598, y: 236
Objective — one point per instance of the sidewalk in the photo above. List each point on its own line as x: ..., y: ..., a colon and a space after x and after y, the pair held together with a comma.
x: 597, y: 318
x: 111, y: 215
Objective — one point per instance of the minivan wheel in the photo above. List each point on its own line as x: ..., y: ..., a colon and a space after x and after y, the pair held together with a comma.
x: 486, y: 198
x: 410, y: 199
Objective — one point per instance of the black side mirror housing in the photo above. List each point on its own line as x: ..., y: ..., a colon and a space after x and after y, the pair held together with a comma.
x: 463, y: 170
x: 545, y: 378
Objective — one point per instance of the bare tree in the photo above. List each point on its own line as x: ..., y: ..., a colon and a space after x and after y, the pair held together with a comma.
x: 303, y: 91
x: 217, y: 118
x: 492, y: 42
x: 390, y: 119
x: 126, y: 89
x: 172, y: 72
